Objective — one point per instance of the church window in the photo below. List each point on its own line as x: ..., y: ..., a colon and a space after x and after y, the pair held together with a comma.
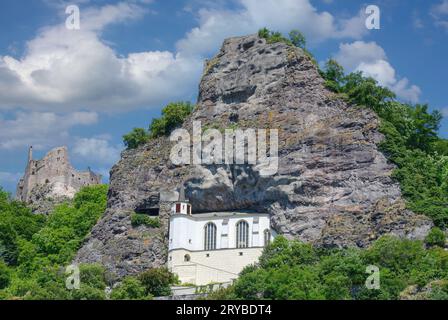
x: 187, y: 258
x: 242, y: 234
x: 210, y: 236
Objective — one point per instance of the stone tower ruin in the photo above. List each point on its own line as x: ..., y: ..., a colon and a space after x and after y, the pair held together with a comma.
x: 52, y: 177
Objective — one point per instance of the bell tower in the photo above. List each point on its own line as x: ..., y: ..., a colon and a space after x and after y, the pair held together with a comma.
x: 182, y: 205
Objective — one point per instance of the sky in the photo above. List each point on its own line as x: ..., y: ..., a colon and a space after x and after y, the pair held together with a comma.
x: 86, y: 87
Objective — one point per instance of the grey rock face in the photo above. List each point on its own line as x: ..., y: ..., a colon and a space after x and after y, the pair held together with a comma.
x: 333, y: 186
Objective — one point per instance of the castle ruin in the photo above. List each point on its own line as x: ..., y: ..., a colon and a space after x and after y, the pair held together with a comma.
x: 52, y: 177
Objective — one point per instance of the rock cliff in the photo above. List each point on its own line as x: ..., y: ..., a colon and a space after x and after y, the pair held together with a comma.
x: 333, y: 186
x: 51, y: 180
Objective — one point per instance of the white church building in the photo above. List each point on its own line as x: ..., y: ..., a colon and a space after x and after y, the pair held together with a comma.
x: 214, y: 247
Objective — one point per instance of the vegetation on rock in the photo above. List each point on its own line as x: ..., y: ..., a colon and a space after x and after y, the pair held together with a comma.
x: 411, y: 141
x: 138, y: 219
x: 135, y: 138
x: 173, y: 115
x: 294, y: 270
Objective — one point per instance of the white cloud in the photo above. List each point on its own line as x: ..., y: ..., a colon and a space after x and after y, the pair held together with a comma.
x: 41, y: 129
x: 97, y: 150
x: 280, y: 15
x: 444, y: 111
x: 370, y: 58
x: 67, y: 70
x: 439, y: 12
x: 73, y: 69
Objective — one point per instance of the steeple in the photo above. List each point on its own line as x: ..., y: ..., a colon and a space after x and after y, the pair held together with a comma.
x: 182, y: 194
x: 181, y: 206
x: 30, y: 154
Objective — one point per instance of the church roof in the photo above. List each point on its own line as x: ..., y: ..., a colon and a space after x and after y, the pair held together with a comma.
x: 226, y: 214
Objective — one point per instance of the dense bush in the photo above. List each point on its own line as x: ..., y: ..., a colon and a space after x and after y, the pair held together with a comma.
x: 130, y: 289
x: 135, y: 138
x: 173, y: 115
x: 5, y: 275
x: 293, y: 270
x: 436, y: 237
x: 16, y: 223
x: 157, y: 281
x: 412, y: 141
x: 138, y: 219
x: 38, y: 248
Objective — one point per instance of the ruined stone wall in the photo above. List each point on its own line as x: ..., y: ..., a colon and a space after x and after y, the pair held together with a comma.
x: 55, y: 174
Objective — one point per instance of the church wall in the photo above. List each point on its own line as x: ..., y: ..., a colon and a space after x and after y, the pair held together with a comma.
x: 205, y: 267
x: 187, y: 232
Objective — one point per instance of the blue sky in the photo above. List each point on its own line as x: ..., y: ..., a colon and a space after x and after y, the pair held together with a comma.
x: 86, y: 88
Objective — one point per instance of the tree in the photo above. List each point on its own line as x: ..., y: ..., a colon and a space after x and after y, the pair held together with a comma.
x: 297, y: 39
x: 135, y: 138
x: 334, y: 75
x: 5, y: 275
x: 173, y: 115
x: 435, y: 237
x: 157, y: 281
x: 130, y: 289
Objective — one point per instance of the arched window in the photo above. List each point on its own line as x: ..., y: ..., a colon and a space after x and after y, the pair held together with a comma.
x: 242, y: 234
x: 210, y: 236
x: 267, y: 237
x: 187, y: 258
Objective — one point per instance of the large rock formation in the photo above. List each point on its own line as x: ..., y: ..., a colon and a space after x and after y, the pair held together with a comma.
x: 51, y: 180
x: 333, y: 186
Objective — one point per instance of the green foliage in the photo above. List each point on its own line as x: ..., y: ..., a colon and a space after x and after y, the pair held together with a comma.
x: 334, y: 75
x: 130, y: 289
x: 68, y: 224
x: 16, y: 223
x: 38, y: 248
x: 138, y: 219
x: 135, y: 138
x: 273, y: 36
x: 173, y: 115
x: 412, y: 141
x: 297, y: 39
x: 5, y: 275
x: 436, y: 237
x: 339, y: 273
x: 157, y: 281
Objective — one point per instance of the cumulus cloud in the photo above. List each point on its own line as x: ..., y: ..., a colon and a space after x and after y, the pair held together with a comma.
x: 444, y: 111
x: 281, y: 15
x: 41, y: 129
x: 439, y: 12
x: 76, y: 69
x: 371, y: 59
x: 97, y: 150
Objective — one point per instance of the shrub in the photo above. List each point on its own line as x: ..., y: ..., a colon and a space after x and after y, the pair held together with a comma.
x: 173, y: 115
x: 130, y: 289
x: 436, y: 237
x: 138, y: 219
x: 5, y: 275
x: 157, y: 281
x: 135, y: 138
x: 273, y: 36
x: 297, y: 39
